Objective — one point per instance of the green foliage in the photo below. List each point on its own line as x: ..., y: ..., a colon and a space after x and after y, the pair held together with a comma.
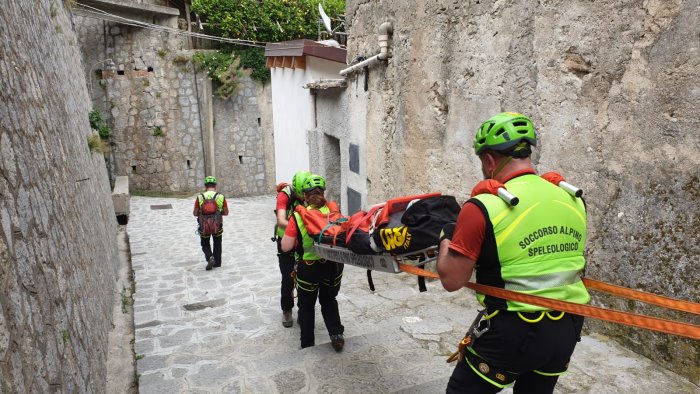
x: 162, y: 53
x: 64, y: 335
x: 255, y: 20
x: 267, y: 21
x: 227, y: 65
x: 180, y: 60
x: 125, y: 300
x: 158, y: 131
x: 98, y: 124
x: 223, y: 68
x: 254, y: 59
x: 97, y: 144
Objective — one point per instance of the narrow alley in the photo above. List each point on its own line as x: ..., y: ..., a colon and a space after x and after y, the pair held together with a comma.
x: 220, y: 331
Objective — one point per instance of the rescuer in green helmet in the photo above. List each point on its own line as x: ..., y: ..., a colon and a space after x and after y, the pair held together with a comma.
x: 209, y: 207
x: 315, y: 277
x: 288, y: 197
x: 535, y: 247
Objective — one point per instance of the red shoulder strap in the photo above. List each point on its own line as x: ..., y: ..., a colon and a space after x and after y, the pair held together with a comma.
x: 366, y: 216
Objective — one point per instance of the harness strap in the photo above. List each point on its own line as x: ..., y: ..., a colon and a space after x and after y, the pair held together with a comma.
x: 329, y: 225
x: 497, y: 376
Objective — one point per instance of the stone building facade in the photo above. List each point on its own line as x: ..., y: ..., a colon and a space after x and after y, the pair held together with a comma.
x: 168, y: 129
x: 612, y: 87
x: 58, y: 244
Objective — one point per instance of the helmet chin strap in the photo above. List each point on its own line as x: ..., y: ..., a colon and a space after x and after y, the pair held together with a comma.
x: 500, y: 167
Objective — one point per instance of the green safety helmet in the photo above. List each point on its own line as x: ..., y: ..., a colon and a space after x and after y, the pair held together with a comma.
x: 210, y: 179
x: 298, y: 181
x: 505, y: 132
x: 314, y: 181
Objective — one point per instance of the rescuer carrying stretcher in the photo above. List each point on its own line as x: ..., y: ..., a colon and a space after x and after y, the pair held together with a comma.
x: 513, y: 342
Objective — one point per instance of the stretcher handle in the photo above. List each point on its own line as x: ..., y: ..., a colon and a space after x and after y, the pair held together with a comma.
x: 571, y: 189
x: 508, y: 197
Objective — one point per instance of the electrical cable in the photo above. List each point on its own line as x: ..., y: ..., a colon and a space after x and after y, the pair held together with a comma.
x: 92, y: 12
x: 96, y: 13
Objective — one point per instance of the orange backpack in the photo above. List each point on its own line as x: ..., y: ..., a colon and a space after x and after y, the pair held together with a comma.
x: 320, y: 225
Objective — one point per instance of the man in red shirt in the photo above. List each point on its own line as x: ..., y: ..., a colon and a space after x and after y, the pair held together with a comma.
x: 288, y: 196
x: 517, y: 343
x: 213, y: 258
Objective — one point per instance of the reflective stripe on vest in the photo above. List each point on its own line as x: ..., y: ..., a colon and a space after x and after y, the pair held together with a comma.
x: 307, y: 240
x: 539, y: 242
x: 210, y: 194
x: 290, y: 207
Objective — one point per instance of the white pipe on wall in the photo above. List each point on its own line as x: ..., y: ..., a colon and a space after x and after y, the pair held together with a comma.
x: 385, y: 30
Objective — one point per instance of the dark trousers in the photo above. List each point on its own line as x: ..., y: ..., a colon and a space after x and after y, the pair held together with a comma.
x: 286, y: 261
x: 206, y: 248
x: 516, y: 346
x: 318, y: 280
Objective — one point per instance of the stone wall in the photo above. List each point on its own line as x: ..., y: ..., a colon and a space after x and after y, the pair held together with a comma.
x: 238, y: 132
x: 158, y: 104
x: 612, y: 87
x: 58, y: 244
x: 150, y: 101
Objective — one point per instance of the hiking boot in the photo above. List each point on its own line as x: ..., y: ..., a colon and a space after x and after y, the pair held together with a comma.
x: 338, y: 342
x: 287, y: 319
x: 210, y: 263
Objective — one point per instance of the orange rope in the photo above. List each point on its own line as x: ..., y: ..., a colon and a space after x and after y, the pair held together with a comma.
x: 631, y: 319
x: 649, y: 298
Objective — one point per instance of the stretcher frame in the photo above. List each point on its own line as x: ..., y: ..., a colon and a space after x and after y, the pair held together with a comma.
x: 384, y: 262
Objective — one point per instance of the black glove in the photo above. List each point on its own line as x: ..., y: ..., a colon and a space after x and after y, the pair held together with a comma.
x: 447, y: 230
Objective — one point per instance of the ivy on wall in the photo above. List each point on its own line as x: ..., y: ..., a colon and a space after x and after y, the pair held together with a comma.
x: 222, y: 67
x: 98, y: 124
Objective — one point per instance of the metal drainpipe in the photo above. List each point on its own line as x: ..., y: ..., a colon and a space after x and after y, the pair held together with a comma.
x: 201, y: 128
x: 385, y: 30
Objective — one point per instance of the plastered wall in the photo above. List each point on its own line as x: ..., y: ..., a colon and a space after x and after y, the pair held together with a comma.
x: 612, y: 86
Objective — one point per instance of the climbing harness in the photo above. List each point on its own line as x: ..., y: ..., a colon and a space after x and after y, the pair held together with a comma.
x: 473, y: 333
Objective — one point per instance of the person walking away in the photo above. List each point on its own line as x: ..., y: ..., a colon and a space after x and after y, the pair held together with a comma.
x: 288, y: 197
x: 209, y: 207
x: 535, y: 247
x: 315, y: 277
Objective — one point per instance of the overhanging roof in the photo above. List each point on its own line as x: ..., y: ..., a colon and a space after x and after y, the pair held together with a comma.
x: 305, y: 47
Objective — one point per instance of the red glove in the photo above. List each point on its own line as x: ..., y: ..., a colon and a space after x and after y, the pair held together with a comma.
x: 489, y: 186
x: 553, y: 177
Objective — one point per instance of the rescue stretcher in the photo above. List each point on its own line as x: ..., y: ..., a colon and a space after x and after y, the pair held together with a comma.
x: 384, y: 262
x: 394, y: 263
x: 413, y: 263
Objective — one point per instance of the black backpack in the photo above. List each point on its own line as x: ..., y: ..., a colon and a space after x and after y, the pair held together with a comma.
x: 418, y: 227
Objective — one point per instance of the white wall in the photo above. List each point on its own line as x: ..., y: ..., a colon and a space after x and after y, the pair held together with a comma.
x: 293, y: 108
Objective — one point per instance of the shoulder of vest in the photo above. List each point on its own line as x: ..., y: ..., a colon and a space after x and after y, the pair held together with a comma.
x: 332, y: 205
x: 478, y: 203
x: 286, y: 190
